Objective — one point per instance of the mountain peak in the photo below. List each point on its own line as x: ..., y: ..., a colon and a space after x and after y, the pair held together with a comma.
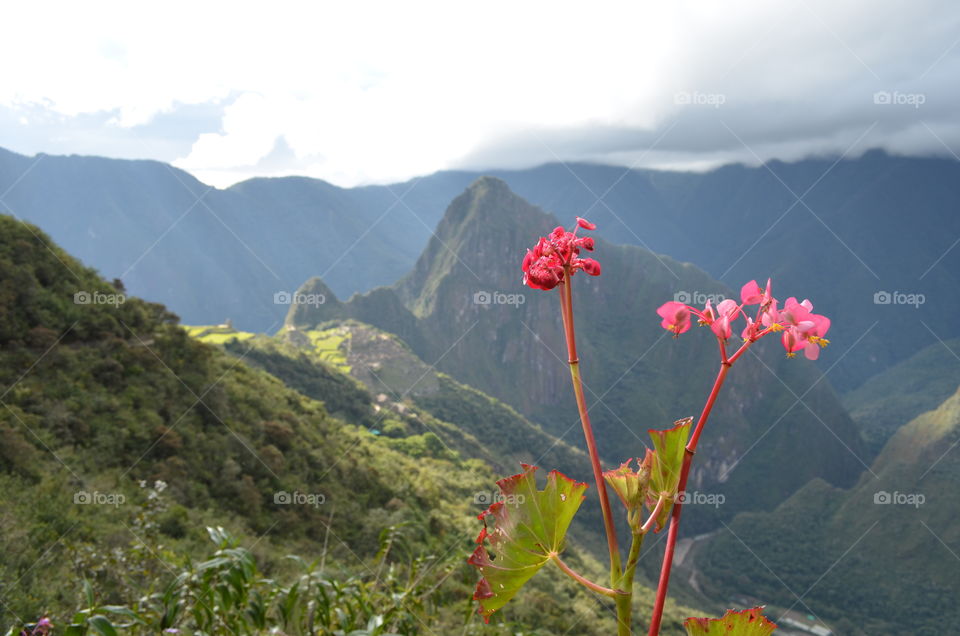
x: 488, y: 183
x: 312, y: 304
x: 487, y: 223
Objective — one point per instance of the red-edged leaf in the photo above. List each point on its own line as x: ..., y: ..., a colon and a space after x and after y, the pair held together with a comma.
x: 631, y: 487
x: 528, y: 526
x: 667, y: 463
x: 748, y: 622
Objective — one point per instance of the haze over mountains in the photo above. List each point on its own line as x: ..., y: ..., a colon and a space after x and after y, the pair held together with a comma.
x: 878, y: 230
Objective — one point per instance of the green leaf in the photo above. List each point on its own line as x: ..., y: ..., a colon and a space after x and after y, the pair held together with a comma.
x: 667, y: 464
x: 529, y: 527
x: 102, y: 625
x: 748, y: 622
x: 123, y: 611
x: 88, y: 594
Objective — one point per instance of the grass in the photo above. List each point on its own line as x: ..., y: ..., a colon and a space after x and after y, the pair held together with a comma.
x: 328, y: 344
x: 217, y: 334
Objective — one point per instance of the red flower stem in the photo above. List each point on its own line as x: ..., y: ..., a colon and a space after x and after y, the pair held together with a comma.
x: 582, y: 580
x: 746, y: 345
x: 566, y: 310
x: 677, y: 507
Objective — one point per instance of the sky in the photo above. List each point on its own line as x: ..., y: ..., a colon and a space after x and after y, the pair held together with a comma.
x: 379, y: 92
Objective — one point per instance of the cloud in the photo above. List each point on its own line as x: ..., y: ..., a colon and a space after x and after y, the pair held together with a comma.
x: 375, y: 92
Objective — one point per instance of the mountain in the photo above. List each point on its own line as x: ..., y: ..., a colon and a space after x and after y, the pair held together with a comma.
x: 122, y: 437
x: 214, y: 254
x: 878, y: 558
x: 911, y: 387
x: 464, y: 310
x: 879, y: 230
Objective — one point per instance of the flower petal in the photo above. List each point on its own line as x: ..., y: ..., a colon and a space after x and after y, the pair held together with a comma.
x: 751, y: 294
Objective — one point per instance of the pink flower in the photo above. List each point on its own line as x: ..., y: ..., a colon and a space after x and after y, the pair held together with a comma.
x: 796, y: 315
x: 548, y: 262
x: 676, y: 317
x: 707, y: 316
x: 42, y: 628
x: 803, y: 329
x: 727, y: 311
x: 585, y: 224
x: 590, y: 266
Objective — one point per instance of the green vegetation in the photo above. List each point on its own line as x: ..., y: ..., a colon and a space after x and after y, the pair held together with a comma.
x: 217, y: 334
x: 892, y: 398
x: 875, y: 559
x: 417, y: 408
x: 329, y: 344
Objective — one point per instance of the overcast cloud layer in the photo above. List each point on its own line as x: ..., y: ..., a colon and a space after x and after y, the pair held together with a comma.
x: 378, y: 92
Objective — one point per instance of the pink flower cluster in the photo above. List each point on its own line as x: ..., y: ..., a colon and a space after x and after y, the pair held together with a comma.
x: 800, y: 328
x: 42, y: 628
x: 549, y: 261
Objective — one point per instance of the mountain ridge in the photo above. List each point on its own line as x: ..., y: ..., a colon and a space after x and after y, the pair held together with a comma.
x: 878, y: 224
